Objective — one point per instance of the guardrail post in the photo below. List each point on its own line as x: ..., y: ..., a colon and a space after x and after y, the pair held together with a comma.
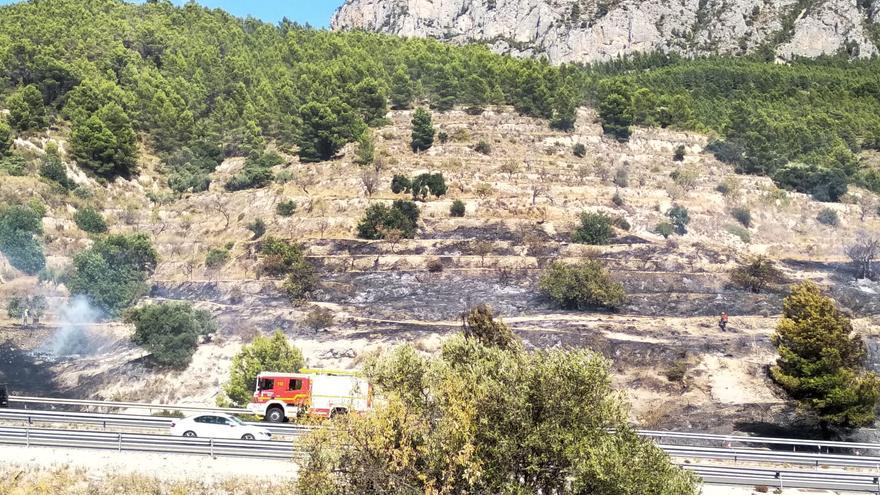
x: 779, y: 477
x: 119, y: 438
x: 27, y: 437
x: 212, y: 448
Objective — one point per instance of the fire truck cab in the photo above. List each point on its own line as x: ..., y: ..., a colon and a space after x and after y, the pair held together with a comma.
x: 321, y: 393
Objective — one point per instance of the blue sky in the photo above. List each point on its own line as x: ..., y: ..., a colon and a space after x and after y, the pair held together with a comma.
x: 315, y: 12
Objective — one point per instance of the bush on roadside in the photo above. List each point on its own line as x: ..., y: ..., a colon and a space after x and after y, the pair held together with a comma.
x: 264, y: 353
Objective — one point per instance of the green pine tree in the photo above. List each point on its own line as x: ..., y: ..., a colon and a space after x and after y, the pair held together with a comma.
x: 821, y: 363
x: 422, y: 130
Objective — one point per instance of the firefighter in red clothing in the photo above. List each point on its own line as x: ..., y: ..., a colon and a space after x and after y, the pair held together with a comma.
x: 722, y: 323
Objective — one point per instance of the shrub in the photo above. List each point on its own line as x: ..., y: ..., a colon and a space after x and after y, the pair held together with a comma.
x: 52, y: 168
x: 457, y: 209
x: 480, y: 324
x: 467, y: 397
x: 112, y: 274
x: 742, y: 215
x: 273, y: 353
x: 621, y: 177
x: 285, y: 208
x: 89, y: 220
x: 443, y: 137
x: 678, y: 156
x: 665, y: 229
x: 400, y: 183
x: 195, y: 180
x: 822, y: 362
x: 258, y: 228
x: 684, y: 178
x: 740, y: 232
x: 579, y: 150
x: 582, y: 286
x: 15, y: 165
x: 756, y: 274
x: 249, y: 177
x: 434, y: 265
x: 483, y: 147
x: 595, y: 229
x: 829, y: 217
x: 319, y: 318
x: 402, y: 216
x: 20, y: 227
x: 216, y: 257
x: 677, y: 371
x: 617, y: 199
x: 621, y: 223
x: 425, y: 184
x: 679, y: 217
x: 282, y: 258
x: 170, y: 331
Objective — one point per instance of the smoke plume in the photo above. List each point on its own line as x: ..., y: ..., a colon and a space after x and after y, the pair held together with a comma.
x: 75, y: 335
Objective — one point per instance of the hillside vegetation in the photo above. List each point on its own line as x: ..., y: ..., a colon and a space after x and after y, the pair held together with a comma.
x: 197, y: 85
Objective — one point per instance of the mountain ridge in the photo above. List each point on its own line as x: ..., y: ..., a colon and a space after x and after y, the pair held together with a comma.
x: 570, y: 31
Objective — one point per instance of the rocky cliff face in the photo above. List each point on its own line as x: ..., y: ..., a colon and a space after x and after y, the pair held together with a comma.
x: 596, y: 30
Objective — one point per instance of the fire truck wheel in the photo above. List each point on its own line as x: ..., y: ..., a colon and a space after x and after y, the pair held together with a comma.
x: 247, y: 436
x: 275, y: 415
x: 190, y: 434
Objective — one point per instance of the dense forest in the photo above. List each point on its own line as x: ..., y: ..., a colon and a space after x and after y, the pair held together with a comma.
x: 197, y: 85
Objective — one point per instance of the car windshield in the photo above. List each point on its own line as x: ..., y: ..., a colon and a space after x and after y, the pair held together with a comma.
x: 236, y: 420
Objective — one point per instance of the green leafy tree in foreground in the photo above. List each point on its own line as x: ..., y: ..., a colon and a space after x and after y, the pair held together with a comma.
x: 422, y: 130
x: 264, y: 353
x: 455, y: 423
x: 170, y: 331
x: 113, y: 273
x: 821, y: 363
x: 582, y: 286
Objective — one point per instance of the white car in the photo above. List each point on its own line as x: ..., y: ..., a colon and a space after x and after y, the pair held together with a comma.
x: 216, y: 425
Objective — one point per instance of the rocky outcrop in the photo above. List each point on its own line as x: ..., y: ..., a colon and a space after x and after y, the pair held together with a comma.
x: 597, y: 30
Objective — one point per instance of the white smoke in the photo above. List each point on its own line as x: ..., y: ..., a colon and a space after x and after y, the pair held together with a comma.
x: 76, y: 320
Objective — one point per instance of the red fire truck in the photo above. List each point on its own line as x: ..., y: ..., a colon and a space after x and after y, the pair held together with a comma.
x: 322, y: 393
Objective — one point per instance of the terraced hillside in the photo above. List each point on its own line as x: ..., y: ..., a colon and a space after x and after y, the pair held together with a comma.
x: 522, y: 201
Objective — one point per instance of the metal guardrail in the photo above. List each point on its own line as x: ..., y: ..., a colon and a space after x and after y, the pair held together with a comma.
x: 31, y: 416
x: 769, y: 456
x: 123, y: 405
x: 821, y: 480
x: 133, y: 442
x: 816, y: 444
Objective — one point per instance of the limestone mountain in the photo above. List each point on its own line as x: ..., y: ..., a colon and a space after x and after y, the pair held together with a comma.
x: 599, y: 30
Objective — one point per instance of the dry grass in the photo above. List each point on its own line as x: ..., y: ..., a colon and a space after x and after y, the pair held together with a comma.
x: 67, y: 481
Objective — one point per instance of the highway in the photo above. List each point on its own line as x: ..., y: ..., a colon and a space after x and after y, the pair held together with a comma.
x: 726, y: 468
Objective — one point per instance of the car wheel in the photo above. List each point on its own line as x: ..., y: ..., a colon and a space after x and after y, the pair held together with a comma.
x: 247, y: 436
x: 275, y: 415
x: 190, y: 434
